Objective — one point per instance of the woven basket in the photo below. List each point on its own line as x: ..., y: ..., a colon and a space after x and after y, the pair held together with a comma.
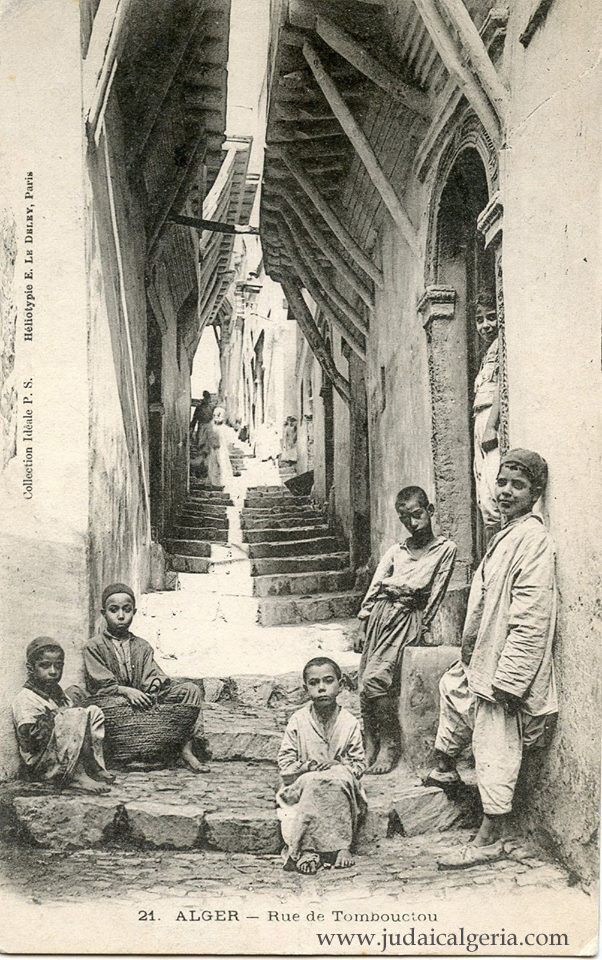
x: 150, y: 735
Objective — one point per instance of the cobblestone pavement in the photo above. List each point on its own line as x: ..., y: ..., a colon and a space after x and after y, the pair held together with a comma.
x: 396, y: 867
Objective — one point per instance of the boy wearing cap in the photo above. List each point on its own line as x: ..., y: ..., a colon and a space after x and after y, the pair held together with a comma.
x: 59, y: 742
x: 121, y: 666
x: 501, y: 692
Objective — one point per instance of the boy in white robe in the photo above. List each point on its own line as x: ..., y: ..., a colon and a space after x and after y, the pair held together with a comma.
x: 501, y: 693
x: 321, y: 761
x: 59, y: 742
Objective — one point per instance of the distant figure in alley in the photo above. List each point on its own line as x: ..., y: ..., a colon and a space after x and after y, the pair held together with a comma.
x: 502, y: 690
x: 121, y: 668
x: 321, y: 761
x: 59, y: 742
x: 407, y: 589
x: 219, y: 468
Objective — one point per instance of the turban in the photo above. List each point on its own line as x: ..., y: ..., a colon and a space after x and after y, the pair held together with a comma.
x: 530, y: 463
x: 117, y: 588
x: 41, y: 643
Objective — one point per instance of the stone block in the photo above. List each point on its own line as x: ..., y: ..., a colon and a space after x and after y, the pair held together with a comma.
x: 426, y: 810
x: 266, y: 566
x: 421, y: 670
x: 65, y: 822
x: 294, y: 548
x: 295, y: 584
x: 251, y: 832
x: 313, y: 609
x: 162, y: 826
x: 288, y: 532
x: 184, y: 564
x: 237, y: 732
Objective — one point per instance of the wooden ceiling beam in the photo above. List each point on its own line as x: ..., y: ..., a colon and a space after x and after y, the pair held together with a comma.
x: 302, y: 314
x: 323, y: 243
x: 359, y: 57
x: 481, y: 62
x: 450, y: 55
x: 304, y: 247
x: 363, y: 149
x: 315, y: 290
x: 330, y: 217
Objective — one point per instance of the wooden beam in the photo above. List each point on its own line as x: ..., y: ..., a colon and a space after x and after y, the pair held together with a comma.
x: 470, y: 39
x: 326, y: 246
x: 330, y: 217
x: 302, y: 314
x: 448, y: 51
x: 165, y: 70
x: 315, y: 290
x: 356, y: 54
x: 363, y: 148
x: 98, y: 69
x: 177, y: 186
x: 308, y: 257
x: 214, y: 226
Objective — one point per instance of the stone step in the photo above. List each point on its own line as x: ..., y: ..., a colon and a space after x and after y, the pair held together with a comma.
x: 201, y: 519
x: 205, y: 487
x: 197, y: 498
x: 294, y: 584
x: 188, y: 548
x: 295, y: 548
x: 212, y: 534
x: 281, y: 533
x: 183, y: 564
x: 267, y: 566
x: 229, y: 809
x: 234, y: 731
x: 205, y: 510
x: 283, y: 522
x: 274, y: 611
x: 273, y: 499
x: 288, y: 510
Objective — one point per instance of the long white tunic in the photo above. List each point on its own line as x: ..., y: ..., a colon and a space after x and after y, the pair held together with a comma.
x: 321, y: 810
x: 511, y: 617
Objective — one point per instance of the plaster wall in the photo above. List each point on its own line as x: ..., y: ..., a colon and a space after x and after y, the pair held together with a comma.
x: 43, y: 539
x: 119, y: 477
x: 551, y: 260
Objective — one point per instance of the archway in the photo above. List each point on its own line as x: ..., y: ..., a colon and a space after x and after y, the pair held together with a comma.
x: 463, y: 271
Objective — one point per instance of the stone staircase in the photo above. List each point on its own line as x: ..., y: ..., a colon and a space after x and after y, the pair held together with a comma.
x: 300, y: 571
x: 237, y: 458
x: 203, y: 521
x: 232, y: 808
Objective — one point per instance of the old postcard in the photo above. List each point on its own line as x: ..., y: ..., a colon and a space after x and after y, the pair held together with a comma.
x: 300, y: 446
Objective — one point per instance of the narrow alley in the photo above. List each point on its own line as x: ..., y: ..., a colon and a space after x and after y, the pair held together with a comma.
x: 300, y: 359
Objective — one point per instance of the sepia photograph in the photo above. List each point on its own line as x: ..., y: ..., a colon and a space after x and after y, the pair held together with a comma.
x: 300, y: 445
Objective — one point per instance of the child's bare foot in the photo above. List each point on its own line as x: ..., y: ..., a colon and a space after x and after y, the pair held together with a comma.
x: 82, y: 782
x: 103, y: 775
x: 343, y: 860
x: 308, y: 862
x: 191, y: 761
x: 387, y: 758
x: 490, y: 831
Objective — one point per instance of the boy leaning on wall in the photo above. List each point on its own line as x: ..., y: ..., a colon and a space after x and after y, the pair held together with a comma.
x: 502, y: 690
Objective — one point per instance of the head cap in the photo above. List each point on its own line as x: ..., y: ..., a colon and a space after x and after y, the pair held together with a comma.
x: 36, y: 646
x: 530, y: 463
x: 117, y: 588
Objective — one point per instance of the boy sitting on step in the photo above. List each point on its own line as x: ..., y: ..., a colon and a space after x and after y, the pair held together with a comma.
x: 321, y: 760
x: 121, y: 667
x: 59, y: 742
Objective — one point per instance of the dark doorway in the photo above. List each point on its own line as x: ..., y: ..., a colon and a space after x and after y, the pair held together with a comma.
x: 464, y: 264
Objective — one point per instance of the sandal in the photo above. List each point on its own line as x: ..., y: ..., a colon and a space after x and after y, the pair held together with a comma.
x: 471, y: 856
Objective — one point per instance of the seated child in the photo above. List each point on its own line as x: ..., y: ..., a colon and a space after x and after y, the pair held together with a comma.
x: 121, y: 666
x: 500, y: 693
x: 58, y: 742
x: 321, y: 760
x: 406, y: 591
